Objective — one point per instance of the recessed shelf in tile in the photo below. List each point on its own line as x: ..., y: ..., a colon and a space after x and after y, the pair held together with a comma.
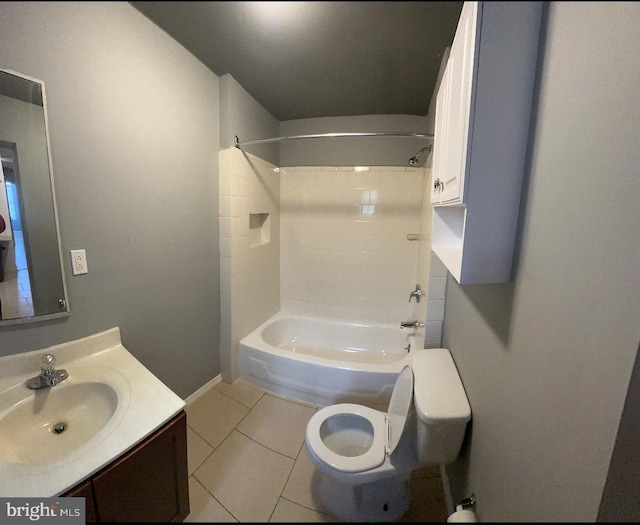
x: 259, y: 229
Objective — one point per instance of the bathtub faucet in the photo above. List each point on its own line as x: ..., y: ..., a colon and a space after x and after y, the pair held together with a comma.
x: 412, y: 324
x: 417, y: 293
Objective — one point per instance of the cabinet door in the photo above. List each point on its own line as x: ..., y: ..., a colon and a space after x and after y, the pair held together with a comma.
x: 85, y: 490
x: 460, y: 66
x: 148, y: 484
x: 440, y: 138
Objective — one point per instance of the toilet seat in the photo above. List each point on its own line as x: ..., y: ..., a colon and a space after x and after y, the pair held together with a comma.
x: 385, y: 429
x: 372, y: 458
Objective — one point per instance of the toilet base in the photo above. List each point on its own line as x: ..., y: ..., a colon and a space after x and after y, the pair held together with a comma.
x: 380, y: 501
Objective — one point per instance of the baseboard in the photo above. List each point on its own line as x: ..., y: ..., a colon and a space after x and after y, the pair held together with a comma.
x: 203, y: 389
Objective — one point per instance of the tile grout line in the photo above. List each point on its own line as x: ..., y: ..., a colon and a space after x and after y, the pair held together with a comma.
x: 203, y: 439
x: 240, y: 402
x: 263, y: 445
x: 285, y: 486
x: 305, y: 507
x: 217, y: 500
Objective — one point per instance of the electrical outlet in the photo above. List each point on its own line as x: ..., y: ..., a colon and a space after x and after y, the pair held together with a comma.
x: 79, y: 262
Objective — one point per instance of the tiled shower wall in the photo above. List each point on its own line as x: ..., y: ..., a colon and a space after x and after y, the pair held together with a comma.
x: 431, y: 272
x: 249, y: 249
x: 344, y: 252
x: 325, y: 241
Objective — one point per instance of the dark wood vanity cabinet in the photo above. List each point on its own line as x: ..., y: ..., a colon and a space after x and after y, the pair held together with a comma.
x: 147, y: 484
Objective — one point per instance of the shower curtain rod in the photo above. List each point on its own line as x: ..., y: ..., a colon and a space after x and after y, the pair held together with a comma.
x: 238, y: 144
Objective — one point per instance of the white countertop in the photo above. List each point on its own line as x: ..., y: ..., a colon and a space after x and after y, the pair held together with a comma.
x: 144, y: 405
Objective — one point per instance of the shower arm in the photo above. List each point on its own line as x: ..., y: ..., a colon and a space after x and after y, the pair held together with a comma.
x: 413, y: 161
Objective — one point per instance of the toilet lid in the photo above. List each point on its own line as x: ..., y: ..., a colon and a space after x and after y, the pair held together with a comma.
x: 399, y: 406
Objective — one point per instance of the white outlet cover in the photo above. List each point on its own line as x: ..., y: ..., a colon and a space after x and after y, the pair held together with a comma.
x: 79, y: 262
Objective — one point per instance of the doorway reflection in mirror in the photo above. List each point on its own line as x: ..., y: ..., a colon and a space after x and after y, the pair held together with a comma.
x: 15, y: 284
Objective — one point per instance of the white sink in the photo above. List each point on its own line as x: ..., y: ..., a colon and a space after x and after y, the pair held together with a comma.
x: 55, y: 437
x: 46, y: 426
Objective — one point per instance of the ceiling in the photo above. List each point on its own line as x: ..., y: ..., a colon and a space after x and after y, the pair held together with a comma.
x: 319, y: 59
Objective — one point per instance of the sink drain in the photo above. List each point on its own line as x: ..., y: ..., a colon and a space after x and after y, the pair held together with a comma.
x: 59, y: 428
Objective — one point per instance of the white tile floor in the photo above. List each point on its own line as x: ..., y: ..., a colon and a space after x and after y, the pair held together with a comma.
x: 15, y: 289
x: 248, y: 462
x: 15, y: 295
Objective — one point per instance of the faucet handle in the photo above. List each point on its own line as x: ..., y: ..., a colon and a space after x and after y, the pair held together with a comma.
x: 47, y: 361
x: 417, y: 293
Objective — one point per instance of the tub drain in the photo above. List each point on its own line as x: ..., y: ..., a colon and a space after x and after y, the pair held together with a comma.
x: 59, y: 428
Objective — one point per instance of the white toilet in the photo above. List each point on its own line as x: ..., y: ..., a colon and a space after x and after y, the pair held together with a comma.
x: 365, y: 457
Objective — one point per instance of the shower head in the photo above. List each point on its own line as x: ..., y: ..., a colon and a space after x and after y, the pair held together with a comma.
x: 413, y: 161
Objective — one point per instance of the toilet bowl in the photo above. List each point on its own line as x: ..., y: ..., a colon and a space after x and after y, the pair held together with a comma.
x: 365, y: 457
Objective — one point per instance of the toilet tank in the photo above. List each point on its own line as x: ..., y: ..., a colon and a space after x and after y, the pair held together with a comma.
x: 441, y: 404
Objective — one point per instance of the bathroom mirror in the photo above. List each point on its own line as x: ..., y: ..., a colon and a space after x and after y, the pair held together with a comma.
x: 32, y: 285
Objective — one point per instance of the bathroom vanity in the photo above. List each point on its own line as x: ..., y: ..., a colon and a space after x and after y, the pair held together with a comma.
x: 148, y: 483
x: 105, y: 429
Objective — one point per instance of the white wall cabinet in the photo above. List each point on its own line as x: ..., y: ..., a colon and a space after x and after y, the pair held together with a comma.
x: 483, y: 107
x: 452, y: 112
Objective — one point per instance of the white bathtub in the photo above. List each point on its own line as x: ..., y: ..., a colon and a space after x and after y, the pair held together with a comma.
x: 325, y: 362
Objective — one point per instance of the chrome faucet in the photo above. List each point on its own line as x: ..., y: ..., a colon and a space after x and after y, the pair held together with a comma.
x: 417, y: 293
x: 412, y: 324
x: 48, y: 375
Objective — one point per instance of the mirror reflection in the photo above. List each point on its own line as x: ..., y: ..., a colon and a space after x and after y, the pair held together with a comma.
x: 31, y: 279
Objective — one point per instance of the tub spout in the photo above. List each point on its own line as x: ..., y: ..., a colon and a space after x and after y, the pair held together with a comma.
x: 412, y: 324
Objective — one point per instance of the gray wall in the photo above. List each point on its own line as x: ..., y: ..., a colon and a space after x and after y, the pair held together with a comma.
x: 546, y: 360
x: 363, y: 151
x: 242, y: 116
x: 133, y: 119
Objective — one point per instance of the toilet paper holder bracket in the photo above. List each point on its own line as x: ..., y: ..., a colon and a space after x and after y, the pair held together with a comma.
x: 468, y: 503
